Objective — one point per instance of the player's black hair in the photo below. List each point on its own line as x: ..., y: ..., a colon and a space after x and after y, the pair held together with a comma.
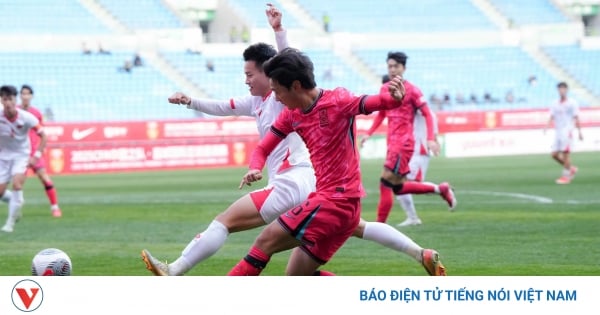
x: 259, y: 53
x: 562, y: 85
x: 27, y: 87
x: 398, y: 56
x: 8, y: 90
x: 291, y: 65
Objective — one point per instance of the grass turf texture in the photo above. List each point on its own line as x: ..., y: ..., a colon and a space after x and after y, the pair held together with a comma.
x: 108, y: 218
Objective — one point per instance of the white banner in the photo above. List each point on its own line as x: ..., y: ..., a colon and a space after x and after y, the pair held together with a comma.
x: 513, y: 142
x: 299, y: 295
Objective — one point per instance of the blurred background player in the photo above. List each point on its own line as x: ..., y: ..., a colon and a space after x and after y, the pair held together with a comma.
x: 262, y: 206
x: 565, y: 116
x: 15, y: 155
x: 401, y: 143
x: 39, y: 168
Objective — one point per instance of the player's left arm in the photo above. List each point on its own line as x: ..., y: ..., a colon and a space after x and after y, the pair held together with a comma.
x: 274, y: 17
x: 578, y: 126
x: 385, y: 100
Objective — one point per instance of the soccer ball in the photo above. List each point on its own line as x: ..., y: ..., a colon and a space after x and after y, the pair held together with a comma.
x: 51, y: 262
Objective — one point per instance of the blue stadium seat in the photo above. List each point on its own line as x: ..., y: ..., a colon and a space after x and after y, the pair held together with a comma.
x: 399, y: 15
x: 142, y: 14
x: 81, y: 87
x: 523, y: 12
x: 494, y: 70
x: 227, y: 80
x: 582, y: 64
x: 254, y: 12
x: 48, y: 17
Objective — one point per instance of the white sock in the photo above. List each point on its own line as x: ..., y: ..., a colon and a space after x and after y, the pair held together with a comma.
x: 6, y: 196
x: 200, y: 248
x: 391, y: 238
x: 566, y: 172
x: 407, y: 203
x: 15, y: 204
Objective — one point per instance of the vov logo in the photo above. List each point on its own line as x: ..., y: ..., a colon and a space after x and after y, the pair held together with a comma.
x: 27, y: 295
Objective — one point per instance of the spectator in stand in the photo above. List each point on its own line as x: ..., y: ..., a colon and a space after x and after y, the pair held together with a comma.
x: 127, y: 66
x: 460, y: 99
x: 210, y: 66
x: 509, y: 97
x: 102, y: 51
x: 245, y: 35
x: 137, y: 60
x: 473, y: 99
x: 84, y: 49
x: 326, y: 22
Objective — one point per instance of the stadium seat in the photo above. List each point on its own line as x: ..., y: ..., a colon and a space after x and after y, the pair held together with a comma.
x: 48, y: 17
x: 142, y: 14
x: 582, y: 64
x: 530, y: 11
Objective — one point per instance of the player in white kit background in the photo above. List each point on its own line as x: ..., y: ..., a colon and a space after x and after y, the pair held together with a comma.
x: 291, y: 176
x: 564, y: 114
x: 419, y: 163
x: 15, y: 151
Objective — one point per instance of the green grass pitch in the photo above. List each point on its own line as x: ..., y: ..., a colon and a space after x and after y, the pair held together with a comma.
x: 511, y: 219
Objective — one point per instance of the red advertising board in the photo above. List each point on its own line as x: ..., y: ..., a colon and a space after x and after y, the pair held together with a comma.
x: 146, y: 156
x: 127, y: 146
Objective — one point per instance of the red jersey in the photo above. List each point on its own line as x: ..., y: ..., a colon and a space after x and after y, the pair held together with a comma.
x: 328, y: 129
x: 400, y: 119
x: 34, y: 139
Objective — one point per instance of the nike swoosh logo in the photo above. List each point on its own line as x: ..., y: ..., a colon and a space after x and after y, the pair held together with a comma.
x: 80, y: 134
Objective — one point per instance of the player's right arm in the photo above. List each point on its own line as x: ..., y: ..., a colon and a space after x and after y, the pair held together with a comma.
x: 233, y: 107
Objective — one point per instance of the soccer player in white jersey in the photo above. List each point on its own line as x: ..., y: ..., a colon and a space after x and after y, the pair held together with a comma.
x: 418, y: 165
x: 290, y: 175
x: 15, y: 150
x: 565, y: 116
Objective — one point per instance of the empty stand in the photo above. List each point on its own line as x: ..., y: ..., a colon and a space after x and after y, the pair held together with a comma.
x: 81, y: 87
x: 399, y: 15
x: 524, y: 12
x: 48, y: 17
x: 582, y: 64
x: 142, y: 14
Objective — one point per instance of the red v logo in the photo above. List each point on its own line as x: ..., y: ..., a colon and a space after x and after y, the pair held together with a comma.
x: 26, y: 298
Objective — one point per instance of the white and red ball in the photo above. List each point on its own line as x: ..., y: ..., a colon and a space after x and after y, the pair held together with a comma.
x: 51, y: 262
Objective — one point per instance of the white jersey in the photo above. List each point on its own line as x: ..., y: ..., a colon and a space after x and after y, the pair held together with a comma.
x: 563, y: 114
x: 14, y: 135
x: 420, y: 132
x: 290, y: 152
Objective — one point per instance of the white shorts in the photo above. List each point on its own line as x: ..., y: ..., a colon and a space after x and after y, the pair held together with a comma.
x: 286, y: 190
x: 418, y: 167
x: 10, y: 168
x: 562, y: 144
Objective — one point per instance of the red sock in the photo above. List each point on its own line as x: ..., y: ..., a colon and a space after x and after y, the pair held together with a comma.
x: 252, y: 264
x: 386, y: 201
x: 51, y: 193
x: 323, y: 273
x: 416, y: 188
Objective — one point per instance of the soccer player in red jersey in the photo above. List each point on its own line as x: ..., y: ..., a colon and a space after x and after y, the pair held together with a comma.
x: 324, y: 119
x: 26, y: 94
x: 401, y: 143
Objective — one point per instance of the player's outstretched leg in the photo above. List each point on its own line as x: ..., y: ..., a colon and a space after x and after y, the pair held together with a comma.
x: 389, y: 237
x: 240, y: 216
x: 14, y: 211
x: 443, y: 189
